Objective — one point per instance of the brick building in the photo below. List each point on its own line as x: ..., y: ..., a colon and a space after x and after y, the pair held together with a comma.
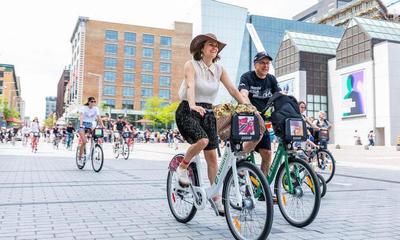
x: 61, y: 86
x: 121, y: 65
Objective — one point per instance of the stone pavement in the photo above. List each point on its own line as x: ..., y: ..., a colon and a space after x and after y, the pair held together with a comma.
x: 44, y: 196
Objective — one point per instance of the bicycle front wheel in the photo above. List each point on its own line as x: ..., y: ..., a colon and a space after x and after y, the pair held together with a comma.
x: 116, y: 150
x: 300, y: 206
x: 324, y: 164
x: 97, y: 158
x: 252, y: 217
x: 79, y: 163
x: 125, y: 151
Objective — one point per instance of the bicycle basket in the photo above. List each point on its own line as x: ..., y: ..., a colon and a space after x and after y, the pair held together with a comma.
x: 98, y: 133
x: 295, y: 129
x: 323, y: 135
x: 126, y: 134
x: 245, y: 127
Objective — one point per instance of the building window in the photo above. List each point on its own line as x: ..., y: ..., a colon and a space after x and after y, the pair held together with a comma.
x: 316, y: 103
x: 110, y: 63
x: 129, y: 64
x: 129, y: 77
x: 128, y: 91
x: 1, y: 74
x: 130, y: 51
x: 148, y: 39
x: 165, y: 67
x: 147, y: 52
x: 130, y: 37
x: 165, y: 54
x: 127, y: 104
x: 164, y: 93
x: 165, y: 81
x: 147, y: 92
x: 142, y: 104
x: 147, y: 79
x: 109, y: 102
x: 111, y: 35
x: 110, y: 76
x: 165, y: 41
x: 147, y: 66
x: 109, y: 91
x: 111, y: 49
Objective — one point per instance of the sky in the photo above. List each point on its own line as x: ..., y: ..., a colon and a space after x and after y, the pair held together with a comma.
x: 34, y: 35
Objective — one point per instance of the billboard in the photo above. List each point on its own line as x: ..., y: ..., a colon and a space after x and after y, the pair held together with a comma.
x: 353, y: 94
x: 287, y: 86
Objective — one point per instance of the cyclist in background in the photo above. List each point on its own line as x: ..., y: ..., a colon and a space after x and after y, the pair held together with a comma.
x: 70, y: 134
x: 35, y: 129
x: 89, y: 114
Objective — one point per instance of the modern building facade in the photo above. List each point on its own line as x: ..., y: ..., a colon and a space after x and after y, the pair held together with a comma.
x: 122, y: 65
x: 339, y: 12
x: 51, y: 103
x: 320, y: 9
x: 363, y: 82
x: 61, y: 86
x: 302, y: 68
x: 246, y: 35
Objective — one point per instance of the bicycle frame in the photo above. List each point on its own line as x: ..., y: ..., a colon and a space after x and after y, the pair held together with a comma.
x: 228, y: 161
x: 281, y: 152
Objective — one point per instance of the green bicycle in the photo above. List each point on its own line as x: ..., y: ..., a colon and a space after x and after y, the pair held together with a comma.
x: 296, y: 186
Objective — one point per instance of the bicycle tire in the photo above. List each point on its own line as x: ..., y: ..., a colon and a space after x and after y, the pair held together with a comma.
x: 314, y: 189
x: 125, y: 151
x: 234, y: 225
x: 172, y: 198
x: 116, y: 151
x: 322, y: 185
x: 327, y: 152
x: 101, y: 157
x: 77, y: 157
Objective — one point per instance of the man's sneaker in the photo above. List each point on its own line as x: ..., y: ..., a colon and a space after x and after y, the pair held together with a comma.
x: 183, y: 177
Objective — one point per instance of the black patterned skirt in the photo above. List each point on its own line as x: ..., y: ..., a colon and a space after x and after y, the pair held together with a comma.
x: 194, y: 127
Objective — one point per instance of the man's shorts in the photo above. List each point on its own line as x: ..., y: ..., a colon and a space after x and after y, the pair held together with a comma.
x: 265, y: 142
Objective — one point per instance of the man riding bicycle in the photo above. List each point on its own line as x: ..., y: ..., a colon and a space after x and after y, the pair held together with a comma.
x: 70, y: 134
x: 258, y: 86
x: 89, y: 114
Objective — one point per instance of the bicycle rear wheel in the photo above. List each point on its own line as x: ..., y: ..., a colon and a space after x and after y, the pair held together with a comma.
x: 324, y: 164
x: 125, y: 151
x: 252, y: 218
x: 181, y: 200
x: 322, y: 185
x: 97, y: 158
x: 301, y: 206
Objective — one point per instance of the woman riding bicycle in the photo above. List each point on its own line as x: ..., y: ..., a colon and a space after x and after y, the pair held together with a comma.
x: 194, y: 117
x: 89, y: 114
x: 35, y: 129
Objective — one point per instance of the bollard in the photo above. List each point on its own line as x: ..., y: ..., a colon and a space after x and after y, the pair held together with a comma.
x: 398, y: 143
x: 337, y: 146
x: 366, y: 147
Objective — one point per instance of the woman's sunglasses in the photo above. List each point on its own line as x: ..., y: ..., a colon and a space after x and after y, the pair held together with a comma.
x: 93, y: 101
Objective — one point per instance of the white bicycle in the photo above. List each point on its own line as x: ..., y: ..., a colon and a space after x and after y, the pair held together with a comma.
x: 246, y: 216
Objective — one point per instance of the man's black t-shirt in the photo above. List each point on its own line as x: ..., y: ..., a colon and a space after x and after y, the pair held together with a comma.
x: 120, y: 126
x: 70, y: 129
x: 260, y: 90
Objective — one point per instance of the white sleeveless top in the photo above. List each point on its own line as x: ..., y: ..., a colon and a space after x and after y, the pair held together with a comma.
x: 206, y: 81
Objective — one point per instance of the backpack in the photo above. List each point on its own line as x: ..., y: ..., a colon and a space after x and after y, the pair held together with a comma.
x: 285, y: 107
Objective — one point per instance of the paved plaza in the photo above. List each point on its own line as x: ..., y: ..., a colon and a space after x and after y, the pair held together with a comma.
x: 44, y: 196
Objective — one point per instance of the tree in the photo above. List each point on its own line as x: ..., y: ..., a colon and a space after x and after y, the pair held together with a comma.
x: 50, y: 121
x: 158, y: 112
x: 8, y: 112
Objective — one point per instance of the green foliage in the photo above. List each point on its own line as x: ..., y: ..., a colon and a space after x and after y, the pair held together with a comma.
x: 9, y: 112
x: 156, y: 111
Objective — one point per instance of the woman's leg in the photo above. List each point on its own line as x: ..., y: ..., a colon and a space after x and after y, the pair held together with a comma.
x: 212, y: 164
x: 192, y: 151
x: 84, y: 140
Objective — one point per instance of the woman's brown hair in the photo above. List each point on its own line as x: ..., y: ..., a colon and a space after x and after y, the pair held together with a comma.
x: 197, y: 55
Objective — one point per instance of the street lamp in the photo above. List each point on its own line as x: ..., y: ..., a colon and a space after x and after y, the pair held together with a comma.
x: 100, y: 79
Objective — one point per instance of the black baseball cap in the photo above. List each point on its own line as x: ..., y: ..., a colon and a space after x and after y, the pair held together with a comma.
x: 261, y: 55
